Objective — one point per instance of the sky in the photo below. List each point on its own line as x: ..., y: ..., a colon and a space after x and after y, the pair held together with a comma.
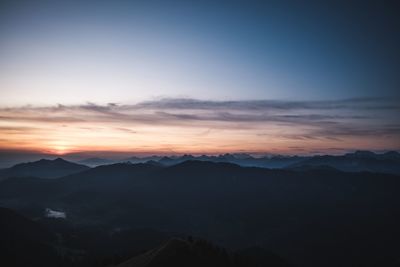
x: 203, y: 77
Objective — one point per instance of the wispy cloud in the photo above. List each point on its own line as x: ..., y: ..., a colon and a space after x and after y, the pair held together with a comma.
x: 270, y: 105
x: 336, y: 121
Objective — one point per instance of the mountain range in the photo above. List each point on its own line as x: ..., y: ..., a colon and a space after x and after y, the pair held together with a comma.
x: 337, y: 218
x: 388, y: 162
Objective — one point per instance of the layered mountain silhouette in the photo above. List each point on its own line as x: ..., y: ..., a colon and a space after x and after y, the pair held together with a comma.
x: 358, y: 161
x: 337, y: 218
x: 43, y: 168
x: 93, y: 162
x: 237, y: 158
x: 354, y: 162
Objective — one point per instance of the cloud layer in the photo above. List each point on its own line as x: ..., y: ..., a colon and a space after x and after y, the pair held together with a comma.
x: 192, y: 125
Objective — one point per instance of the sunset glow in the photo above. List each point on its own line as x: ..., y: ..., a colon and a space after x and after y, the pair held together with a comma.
x: 178, y: 126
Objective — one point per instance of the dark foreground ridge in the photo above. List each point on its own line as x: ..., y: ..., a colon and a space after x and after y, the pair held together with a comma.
x: 28, y: 243
x: 24, y: 242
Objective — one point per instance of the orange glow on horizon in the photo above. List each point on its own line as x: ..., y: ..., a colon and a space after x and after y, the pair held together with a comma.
x: 64, y: 130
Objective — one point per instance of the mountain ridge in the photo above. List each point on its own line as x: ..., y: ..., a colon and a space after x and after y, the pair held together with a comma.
x: 43, y: 168
x: 387, y: 162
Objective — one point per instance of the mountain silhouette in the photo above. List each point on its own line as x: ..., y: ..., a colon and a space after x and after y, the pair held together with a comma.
x: 43, y: 168
x: 336, y: 217
x: 94, y: 162
x: 355, y: 162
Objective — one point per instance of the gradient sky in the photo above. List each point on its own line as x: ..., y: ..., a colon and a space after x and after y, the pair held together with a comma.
x: 204, y: 76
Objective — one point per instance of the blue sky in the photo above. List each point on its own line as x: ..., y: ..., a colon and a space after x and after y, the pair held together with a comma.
x: 127, y: 51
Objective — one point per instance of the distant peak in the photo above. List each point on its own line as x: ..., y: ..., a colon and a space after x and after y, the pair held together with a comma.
x: 52, y: 160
